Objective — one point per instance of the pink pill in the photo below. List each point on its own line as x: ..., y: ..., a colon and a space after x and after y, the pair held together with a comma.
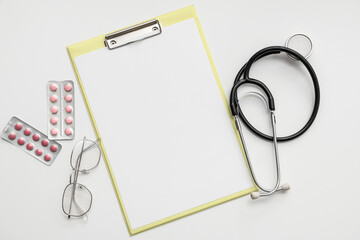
x: 36, y: 137
x: 54, y: 131
x: 68, y: 131
x: 53, y: 98
x: 54, y: 109
x: 18, y: 126
x: 68, y: 109
x: 54, y: 120
x: 12, y: 136
x: 53, y: 87
x: 47, y: 157
x: 53, y: 148
x: 21, y: 141
x: 69, y: 120
x: 68, y: 98
x: 45, y: 143
x: 30, y: 146
x: 38, y: 152
x: 27, y: 132
x: 68, y: 87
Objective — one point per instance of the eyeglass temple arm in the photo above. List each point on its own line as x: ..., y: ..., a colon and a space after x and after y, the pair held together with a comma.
x: 77, y: 165
x: 78, y: 206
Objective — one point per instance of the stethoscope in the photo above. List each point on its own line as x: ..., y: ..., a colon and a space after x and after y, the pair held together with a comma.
x: 242, y: 79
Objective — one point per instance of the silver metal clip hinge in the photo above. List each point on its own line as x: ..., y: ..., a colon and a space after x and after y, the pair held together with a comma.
x: 133, y: 34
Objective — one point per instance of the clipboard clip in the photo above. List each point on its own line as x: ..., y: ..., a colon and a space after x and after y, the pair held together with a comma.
x: 133, y: 34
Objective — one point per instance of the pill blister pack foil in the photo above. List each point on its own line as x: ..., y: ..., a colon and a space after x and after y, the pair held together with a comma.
x: 61, y: 110
x: 31, y: 140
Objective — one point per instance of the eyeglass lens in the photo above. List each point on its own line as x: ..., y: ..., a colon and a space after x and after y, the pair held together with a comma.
x: 90, y: 156
x: 77, y: 200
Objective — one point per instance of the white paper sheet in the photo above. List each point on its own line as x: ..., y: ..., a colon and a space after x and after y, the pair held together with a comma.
x: 164, y: 125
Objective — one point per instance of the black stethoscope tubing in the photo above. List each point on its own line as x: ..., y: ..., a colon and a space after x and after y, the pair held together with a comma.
x: 243, y: 77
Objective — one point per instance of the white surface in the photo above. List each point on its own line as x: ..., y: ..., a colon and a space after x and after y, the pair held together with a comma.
x: 164, y: 125
x: 322, y: 166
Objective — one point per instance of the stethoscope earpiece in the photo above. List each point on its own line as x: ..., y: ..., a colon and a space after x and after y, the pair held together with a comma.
x: 255, y: 195
x: 285, y: 187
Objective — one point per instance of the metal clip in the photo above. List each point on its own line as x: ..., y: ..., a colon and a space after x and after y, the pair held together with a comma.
x: 132, y: 34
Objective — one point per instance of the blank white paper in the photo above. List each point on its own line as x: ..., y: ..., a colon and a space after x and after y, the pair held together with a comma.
x: 164, y: 124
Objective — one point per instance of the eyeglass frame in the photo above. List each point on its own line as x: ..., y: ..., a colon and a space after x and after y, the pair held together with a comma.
x: 76, y: 175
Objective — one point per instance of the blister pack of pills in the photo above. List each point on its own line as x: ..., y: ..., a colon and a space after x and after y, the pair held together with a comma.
x: 31, y: 140
x: 61, y: 110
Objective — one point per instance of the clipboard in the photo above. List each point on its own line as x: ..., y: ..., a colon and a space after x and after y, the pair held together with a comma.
x: 162, y: 120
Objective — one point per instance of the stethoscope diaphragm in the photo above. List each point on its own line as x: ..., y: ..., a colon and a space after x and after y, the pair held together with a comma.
x: 300, y: 43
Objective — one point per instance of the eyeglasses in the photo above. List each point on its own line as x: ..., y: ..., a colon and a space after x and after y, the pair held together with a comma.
x: 77, y: 199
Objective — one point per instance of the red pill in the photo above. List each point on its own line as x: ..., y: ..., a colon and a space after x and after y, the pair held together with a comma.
x: 47, y: 157
x: 21, y: 141
x: 18, y: 126
x: 68, y: 98
x: 68, y: 131
x: 54, y: 109
x: 53, y: 148
x: 68, y: 87
x: 68, y: 109
x: 53, y: 98
x: 38, y: 152
x: 36, y: 137
x: 54, y: 120
x: 53, y: 87
x: 30, y: 146
x: 12, y: 136
x: 27, y: 132
x: 69, y: 120
x: 54, y: 131
x: 45, y: 143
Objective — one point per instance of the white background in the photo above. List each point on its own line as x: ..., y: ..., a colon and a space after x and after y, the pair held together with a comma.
x: 322, y: 166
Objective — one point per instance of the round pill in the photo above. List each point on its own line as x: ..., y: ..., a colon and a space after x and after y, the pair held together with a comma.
x: 38, y: 152
x: 54, y: 109
x: 12, y: 136
x: 53, y: 148
x: 18, y: 126
x: 45, y: 143
x: 68, y: 98
x: 54, y: 131
x: 68, y: 109
x: 68, y: 131
x: 53, y: 87
x: 53, y: 98
x: 36, y: 137
x: 30, y: 146
x: 21, y: 141
x: 68, y: 87
x: 27, y: 132
x: 69, y: 120
x: 47, y: 157
x: 54, y: 120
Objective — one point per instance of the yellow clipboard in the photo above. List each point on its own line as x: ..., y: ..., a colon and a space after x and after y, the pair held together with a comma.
x: 204, y: 155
